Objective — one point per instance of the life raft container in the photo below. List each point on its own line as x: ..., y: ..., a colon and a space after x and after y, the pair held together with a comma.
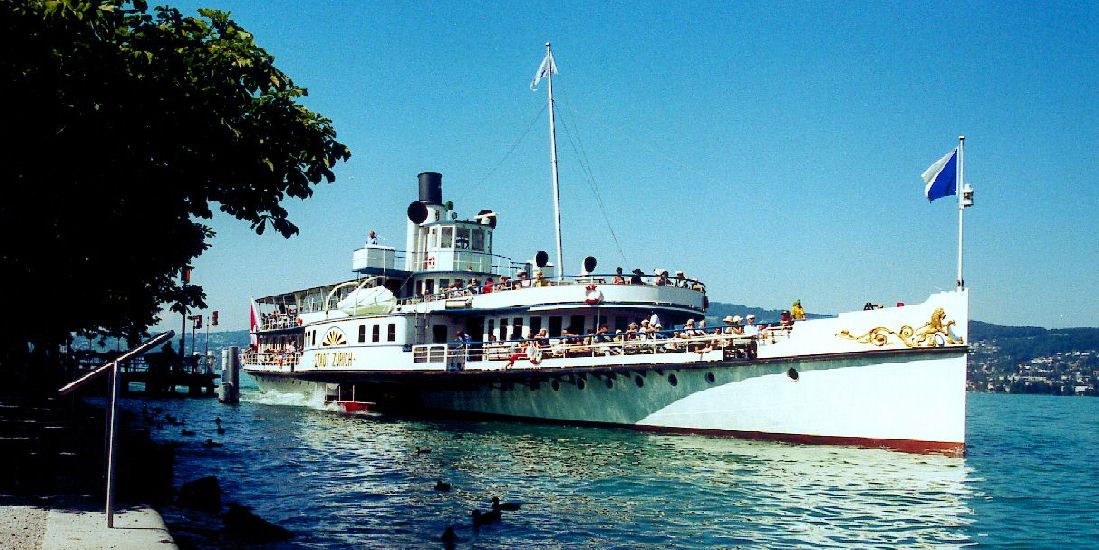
x: 592, y: 295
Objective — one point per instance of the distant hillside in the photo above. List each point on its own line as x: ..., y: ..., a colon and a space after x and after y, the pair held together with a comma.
x: 1018, y: 344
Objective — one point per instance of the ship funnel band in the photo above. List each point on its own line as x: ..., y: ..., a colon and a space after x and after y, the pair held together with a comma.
x: 431, y: 187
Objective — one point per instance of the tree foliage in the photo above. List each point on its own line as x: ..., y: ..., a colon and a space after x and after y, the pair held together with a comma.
x: 125, y: 128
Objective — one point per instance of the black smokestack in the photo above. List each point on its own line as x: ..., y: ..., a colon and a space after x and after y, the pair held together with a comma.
x: 431, y: 188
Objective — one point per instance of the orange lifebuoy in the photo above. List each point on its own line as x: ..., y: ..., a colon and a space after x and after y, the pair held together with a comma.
x: 592, y: 295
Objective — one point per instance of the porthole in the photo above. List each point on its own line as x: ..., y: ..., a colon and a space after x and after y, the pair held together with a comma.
x: 710, y: 377
x: 579, y: 384
x: 793, y: 374
x: 672, y: 379
x: 639, y: 381
x: 555, y: 385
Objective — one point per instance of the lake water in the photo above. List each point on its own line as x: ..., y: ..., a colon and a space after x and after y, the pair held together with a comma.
x: 343, y: 481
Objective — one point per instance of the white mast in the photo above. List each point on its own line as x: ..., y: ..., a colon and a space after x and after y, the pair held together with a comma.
x: 961, y: 189
x: 553, y: 163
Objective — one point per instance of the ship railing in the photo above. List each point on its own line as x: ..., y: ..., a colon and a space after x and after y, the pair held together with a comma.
x: 284, y: 359
x: 278, y: 321
x: 456, y: 355
x: 580, y: 280
x: 732, y: 345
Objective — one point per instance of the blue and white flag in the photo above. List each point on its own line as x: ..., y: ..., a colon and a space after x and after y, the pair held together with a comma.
x: 545, y: 69
x: 941, y: 178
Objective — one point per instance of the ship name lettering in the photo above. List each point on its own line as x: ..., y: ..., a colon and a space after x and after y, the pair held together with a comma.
x: 336, y: 359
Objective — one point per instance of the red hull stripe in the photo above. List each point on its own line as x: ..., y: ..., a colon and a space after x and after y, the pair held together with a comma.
x: 948, y: 448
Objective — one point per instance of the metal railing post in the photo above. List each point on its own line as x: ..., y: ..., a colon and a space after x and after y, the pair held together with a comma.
x: 112, y: 445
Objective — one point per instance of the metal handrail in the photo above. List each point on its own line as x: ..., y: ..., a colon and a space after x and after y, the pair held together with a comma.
x: 68, y: 388
x: 112, y: 411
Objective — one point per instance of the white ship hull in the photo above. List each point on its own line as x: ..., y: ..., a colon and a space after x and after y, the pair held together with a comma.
x: 910, y: 399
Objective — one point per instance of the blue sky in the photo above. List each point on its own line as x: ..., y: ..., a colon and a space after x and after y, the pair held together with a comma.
x: 773, y: 150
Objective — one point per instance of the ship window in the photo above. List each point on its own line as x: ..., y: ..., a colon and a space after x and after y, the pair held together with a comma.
x: 443, y: 284
x: 429, y: 287
x: 555, y: 325
x: 488, y: 241
x: 362, y: 333
x: 419, y: 288
x: 491, y: 326
x: 535, y: 325
x: 620, y: 323
x: 576, y: 324
x: 438, y: 334
x: 517, y: 328
x: 376, y: 334
x: 503, y: 329
x: 462, y: 240
x: 447, y: 238
x: 479, y: 240
x: 433, y: 239
x: 391, y: 333
x: 312, y: 338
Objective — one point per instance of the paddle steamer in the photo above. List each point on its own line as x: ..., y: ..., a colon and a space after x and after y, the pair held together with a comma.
x: 401, y: 336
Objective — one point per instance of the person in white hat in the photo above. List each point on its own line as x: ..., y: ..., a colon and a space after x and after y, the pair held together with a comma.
x: 728, y: 322
x: 750, y: 327
x: 680, y: 279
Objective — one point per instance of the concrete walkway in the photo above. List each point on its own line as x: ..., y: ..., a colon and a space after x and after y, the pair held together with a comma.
x: 63, y: 523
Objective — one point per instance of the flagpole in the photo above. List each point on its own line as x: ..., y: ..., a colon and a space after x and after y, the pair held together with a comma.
x: 553, y: 169
x: 960, y: 183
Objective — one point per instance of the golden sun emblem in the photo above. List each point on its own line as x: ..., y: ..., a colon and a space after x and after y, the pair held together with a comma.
x: 334, y: 337
x: 933, y: 333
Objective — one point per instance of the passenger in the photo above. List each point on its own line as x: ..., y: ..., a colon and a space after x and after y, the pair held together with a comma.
x: 542, y: 338
x: 635, y: 279
x: 797, y: 312
x: 631, y: 332
x: 540, y: 279
x: 474, y: 286
x: 574, y: 338
x: 701, y: 330
x: 680, y: 280
x: 505, y: 283
x: 644, y: 332
x: 522, y: 279
x: 618, y: 278
x: 601, y: 335
x: 786, y: 319
x: 750, y: 327
x: 738, y: 329
x: 661, y: 277
x: 372, y: 238
x: 487, y: 289
x: 688, y: 329
x: 728, y: 322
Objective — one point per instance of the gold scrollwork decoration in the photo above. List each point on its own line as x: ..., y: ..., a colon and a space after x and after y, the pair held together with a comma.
x: 933, y: 333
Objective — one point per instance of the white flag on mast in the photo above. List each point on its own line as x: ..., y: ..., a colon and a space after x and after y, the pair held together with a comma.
x: 547, y: 68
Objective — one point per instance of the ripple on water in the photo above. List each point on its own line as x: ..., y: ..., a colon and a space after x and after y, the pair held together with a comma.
x: 343, y: 480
